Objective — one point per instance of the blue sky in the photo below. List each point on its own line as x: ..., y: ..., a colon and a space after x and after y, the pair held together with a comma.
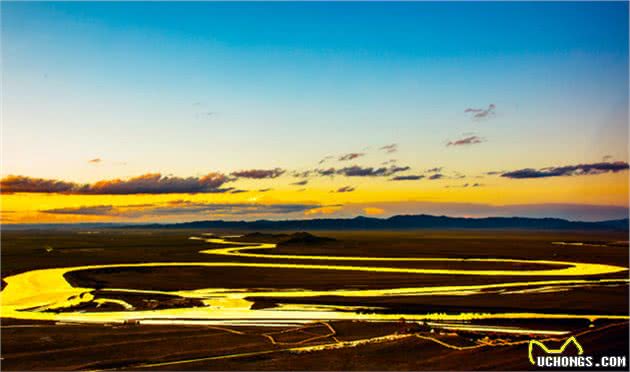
x: 188, y: 88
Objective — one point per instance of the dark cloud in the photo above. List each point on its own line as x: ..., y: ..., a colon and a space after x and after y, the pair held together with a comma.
x: 569, y: 170
x: 95, y: 161
x: 265, y: 190
x: 300, y: 183
x: 345, y: 189
x: 465, y: 141
x: 351, y: 156
x: 357, y: 171
x: 258, y: 173
x: 151, y: 183
x: 407, y: 178
x: 390, y: 148
x: 436, y: 176
x: 479, y: 113
x: 11, y: 184
x: 155, y: 183
x: 326, y: 172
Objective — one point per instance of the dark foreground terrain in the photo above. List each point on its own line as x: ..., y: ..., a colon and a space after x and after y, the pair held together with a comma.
x: 319, y: 345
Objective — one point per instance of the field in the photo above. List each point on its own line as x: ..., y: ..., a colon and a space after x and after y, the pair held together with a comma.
x: 360, y: 300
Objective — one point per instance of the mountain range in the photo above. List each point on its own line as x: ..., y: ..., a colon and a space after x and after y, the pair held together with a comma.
x: 400, y: 222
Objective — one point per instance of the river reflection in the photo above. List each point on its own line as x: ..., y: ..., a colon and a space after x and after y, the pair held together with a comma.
x: 45, y: 294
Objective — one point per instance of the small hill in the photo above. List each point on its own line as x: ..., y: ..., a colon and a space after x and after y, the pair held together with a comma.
x: 304, y: 238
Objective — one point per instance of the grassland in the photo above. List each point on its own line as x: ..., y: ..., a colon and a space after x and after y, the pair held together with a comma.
x: 40, y: 345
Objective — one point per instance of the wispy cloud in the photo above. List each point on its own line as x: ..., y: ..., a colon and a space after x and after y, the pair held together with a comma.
x: 481, y: 113
x: 471, y: 140
x: 465, y: 185
x: 357, y: 171
x: 434, y: 170
x: 569, y: 170
x: 302, y: 174
x: 345, y: 189
x: 258, y: 173
x: 325, y: 158
x: 95, y: 210
x: 95, y: 161
x: 390, y: 148
x: 183, y: 207
x: 351, y: 156
x: 436, y: 176
x: 300, y: 183
x: 407, y: 178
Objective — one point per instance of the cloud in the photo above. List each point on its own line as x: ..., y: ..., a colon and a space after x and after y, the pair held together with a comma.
x: 302, y: 174
x: 12, y: 184
x: 345, y: 189
x: 155, y: 183
x: 258, y: 173
x: 569, y: 170
x: 96, y: 210
x: 390, y: 148
x: 238, y: 191
x: 183, y: 208
x: 471, y: 140
x: 479, y: 113
x: 434, y: 170
x: 351, y: 156
x: 436, y: 176
x: 407, y: 178
x: 265, y: 190
x: 326, y: 172
x: 357, y: 171
x: 300, y: 183
x: 465, y: 185
x: 95, y: 161
x: 325, y: 159
x: 151, y: 183
x: 323, y: 210
x: 372, y: 211
x: 607, y: 157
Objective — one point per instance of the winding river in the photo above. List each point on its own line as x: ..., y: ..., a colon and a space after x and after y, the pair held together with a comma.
x: 45, y: 294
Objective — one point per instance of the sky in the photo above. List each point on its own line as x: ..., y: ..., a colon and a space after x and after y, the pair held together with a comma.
x: 132, y: 112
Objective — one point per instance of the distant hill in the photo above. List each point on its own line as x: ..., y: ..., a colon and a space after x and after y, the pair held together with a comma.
x: 400, y: 222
